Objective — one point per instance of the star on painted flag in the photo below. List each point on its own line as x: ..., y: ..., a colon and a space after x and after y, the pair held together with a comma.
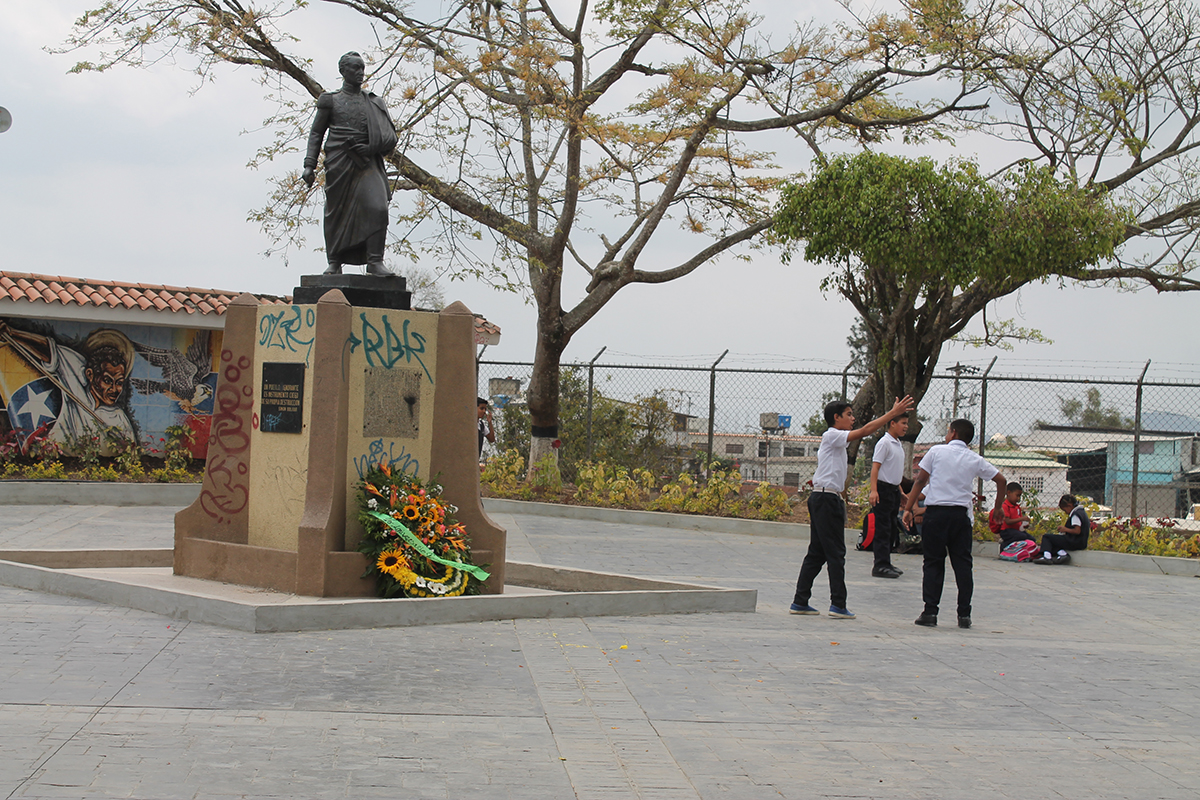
x: 35, y: 404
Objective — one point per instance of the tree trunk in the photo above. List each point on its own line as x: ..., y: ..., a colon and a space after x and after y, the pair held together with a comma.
x: 543, y: 400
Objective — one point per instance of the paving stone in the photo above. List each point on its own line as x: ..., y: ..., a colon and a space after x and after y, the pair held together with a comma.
x: 1073, y: 683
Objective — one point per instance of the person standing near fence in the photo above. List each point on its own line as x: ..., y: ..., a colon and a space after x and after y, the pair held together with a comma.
x: 887, y: 470
x: 827, y: 509
x: 949, y: 469
x: 484, y: 424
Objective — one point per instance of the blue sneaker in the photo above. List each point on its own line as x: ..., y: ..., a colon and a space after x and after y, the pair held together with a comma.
x: 799, y: 609
x: 841, y: 613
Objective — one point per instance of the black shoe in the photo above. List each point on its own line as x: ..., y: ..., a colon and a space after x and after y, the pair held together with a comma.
x: 964, y: 622
x: 333, y: 269
x: 1065, y: 558
x: 885, y: 572
x: 927, y: 620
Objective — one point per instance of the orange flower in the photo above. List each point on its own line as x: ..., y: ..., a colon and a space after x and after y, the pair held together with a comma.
x: 385, y: 469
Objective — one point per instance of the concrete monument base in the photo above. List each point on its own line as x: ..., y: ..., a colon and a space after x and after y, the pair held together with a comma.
x: 309, y: 399
x: 144, y: 580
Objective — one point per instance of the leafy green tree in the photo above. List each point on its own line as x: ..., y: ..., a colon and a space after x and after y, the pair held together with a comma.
x: 637, y: 434
x: 569, y: 138
x: 1089, y: 413
x: 920, y: 249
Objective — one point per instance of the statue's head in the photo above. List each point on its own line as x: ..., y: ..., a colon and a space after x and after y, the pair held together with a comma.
x: 352, y: 67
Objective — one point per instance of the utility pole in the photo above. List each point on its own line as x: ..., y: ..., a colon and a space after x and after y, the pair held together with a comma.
x: 958, y: 369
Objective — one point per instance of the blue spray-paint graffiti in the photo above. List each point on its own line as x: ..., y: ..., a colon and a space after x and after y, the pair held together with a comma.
x: 284, y: 328
x: 377, y: 455
x: 386, y: 349
x: 270, y: 422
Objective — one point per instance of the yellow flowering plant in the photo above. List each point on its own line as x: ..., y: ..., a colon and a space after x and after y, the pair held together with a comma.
x: 414, y: 546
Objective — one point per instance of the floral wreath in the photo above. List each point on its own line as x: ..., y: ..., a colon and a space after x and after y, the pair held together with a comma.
x: 411, y: 540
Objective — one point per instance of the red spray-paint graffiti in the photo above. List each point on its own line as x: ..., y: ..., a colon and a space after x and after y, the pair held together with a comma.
x: 227, y: 489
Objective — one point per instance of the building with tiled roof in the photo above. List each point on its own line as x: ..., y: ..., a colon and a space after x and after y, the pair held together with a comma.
x: 56, y: 297
x: 157, y: 346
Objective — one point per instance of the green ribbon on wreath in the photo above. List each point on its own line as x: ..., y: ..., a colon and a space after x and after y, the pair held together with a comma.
x: 411, y: 538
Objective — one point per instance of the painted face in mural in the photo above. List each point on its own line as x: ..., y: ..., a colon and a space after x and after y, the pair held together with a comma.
x: 107, y: 383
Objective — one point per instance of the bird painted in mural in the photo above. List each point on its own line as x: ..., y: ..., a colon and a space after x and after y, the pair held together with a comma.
x: 183, y: 373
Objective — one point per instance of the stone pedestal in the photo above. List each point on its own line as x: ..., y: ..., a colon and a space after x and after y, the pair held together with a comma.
x: 309, y: 397
x: 368, y: 291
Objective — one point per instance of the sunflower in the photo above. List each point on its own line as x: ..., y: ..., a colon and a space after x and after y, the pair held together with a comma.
x: 391, y: 562
x: 411, y: 512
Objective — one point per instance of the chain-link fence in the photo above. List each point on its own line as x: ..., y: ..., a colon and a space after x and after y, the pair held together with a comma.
x: 1130, y: 442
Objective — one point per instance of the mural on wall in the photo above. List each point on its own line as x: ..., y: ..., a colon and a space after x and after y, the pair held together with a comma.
x: 64, y: 380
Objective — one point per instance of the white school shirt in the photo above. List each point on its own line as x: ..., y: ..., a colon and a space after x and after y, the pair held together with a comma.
x: 889, y: 455
x: 831, y: 460
x: 953, y: 468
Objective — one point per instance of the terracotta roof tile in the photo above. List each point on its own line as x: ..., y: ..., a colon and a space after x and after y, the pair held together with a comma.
x: 22, y: 286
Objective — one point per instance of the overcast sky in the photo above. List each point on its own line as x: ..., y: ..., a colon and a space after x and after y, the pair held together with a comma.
x: 128, y: 175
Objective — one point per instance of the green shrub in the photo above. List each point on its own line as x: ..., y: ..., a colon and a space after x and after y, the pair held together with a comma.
x: 604, y: 484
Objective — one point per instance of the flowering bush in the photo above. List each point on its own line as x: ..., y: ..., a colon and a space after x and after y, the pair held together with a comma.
x: 411, y: 540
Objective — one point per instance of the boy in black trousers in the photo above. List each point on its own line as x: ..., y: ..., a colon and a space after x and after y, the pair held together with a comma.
x: 950, y: 471
x: 827, y: 510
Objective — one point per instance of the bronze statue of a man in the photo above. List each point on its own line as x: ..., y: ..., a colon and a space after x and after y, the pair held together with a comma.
x: 357, y: 191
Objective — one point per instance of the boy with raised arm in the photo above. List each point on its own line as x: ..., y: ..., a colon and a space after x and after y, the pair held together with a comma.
x: 827, y: 509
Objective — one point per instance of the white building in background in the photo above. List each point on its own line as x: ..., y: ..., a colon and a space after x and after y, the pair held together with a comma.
x: 778, y: 459
x: 1037, y: 473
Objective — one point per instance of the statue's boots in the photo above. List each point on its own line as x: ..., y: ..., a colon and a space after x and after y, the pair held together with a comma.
x: 377, y: 269
x: 334, y: 268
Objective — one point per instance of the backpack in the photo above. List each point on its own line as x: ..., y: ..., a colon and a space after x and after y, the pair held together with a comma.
x: 867, y: 538
x: 1024, y: 550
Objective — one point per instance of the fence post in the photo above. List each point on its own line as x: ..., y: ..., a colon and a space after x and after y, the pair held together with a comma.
x: 591, y: 376
x: 982, y: 415
x: 846, y: 380
x: 1137, y: 440
x: 712, y: 409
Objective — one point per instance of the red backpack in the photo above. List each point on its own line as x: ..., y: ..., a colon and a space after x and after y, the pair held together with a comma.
x: 1024, y: 550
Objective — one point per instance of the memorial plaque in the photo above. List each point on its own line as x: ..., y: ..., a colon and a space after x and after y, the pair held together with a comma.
x: 392, y: 403
x: 281, y: 408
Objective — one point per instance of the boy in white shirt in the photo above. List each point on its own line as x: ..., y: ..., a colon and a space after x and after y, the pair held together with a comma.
x: 887, y: 470
x: 950, y: 470
x: 827, y: 510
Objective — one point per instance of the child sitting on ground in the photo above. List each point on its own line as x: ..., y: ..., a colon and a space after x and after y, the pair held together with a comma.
x: 1071, y: 536
x: 1014, y: 524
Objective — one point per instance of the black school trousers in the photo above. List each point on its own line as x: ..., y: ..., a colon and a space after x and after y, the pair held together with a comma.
x: 826, y: 548
x: 886, y: 523
x: 947, y: 532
